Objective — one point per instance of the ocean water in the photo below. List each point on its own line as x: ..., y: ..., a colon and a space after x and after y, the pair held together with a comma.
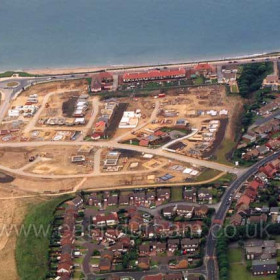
x: 64, y: 33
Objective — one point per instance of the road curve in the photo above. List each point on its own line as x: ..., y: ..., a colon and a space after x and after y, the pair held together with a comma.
x: 221, y: 213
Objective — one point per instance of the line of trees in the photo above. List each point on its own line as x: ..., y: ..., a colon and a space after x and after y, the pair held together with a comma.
x: 252, y: 77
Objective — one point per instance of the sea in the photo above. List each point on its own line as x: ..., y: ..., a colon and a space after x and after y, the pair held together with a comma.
x: 77, y: 33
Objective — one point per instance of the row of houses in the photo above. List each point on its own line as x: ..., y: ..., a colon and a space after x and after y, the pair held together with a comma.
x: 185, y: 211
x: 243, y: 212
x: 205, y: 69
x: 67, y: 231
x: 192, y: 194
x: 139, y: 198
x: 270, y: 107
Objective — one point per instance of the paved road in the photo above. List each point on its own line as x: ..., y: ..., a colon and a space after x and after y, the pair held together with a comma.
x: 221, y: 213
x: 113, y: 144
x: 157, y: 210
x: 261, y: 121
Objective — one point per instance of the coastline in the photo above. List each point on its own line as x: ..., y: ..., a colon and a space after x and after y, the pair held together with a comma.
x: 88, y: 69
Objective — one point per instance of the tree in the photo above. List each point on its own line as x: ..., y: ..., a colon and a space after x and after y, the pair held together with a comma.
x: 272, y: 202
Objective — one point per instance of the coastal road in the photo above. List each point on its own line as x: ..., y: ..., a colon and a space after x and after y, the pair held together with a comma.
x: 221, y: 213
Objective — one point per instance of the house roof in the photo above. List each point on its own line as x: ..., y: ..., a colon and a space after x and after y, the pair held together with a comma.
x: 154, y: 74
x: 254, y: 185
x: 204, y: 66
x: 244, y: 199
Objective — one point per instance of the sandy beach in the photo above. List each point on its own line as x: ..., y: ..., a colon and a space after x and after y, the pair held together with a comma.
x: 88, y: 69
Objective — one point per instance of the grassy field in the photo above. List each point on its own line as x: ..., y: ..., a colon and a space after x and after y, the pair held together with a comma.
x: 176, y: 193
x: 10, y: 73
x: 234, y: 89
x: 238, y: 270
x: 235, y: 255
x: 207, y: 174
x: 226, y: 146
x: 198, y: 81
x: 33, y: 242
x: 227, y: 178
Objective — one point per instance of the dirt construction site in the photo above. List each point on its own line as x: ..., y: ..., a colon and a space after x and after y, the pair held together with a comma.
x: 209, y: 112
x: 38, y: 112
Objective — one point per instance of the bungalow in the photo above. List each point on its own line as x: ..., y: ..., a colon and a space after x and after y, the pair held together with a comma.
x: 264, y: 267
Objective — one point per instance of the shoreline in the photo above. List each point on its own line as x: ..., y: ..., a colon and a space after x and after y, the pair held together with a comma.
x: 88, y: 69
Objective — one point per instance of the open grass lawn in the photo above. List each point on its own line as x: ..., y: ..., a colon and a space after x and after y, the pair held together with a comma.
x: 234, y: 89
x: 176, y: 193
x: 33, y: 242
x: 10, y: 73
x: 226, y: 146
x: 198, y: 81
x: 235, y: 255
x: 227, y: 178
x: 238, y: 271
x: 207, y: 174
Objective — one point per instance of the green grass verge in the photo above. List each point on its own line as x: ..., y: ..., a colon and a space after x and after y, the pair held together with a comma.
x: 207, y: 175
x: 32, y: 244
x: 239, y: 271
x: 227, y: 178
x: 221, y: 154
x: 235, y: 255
x: 176, y: 193
x: 11, y: 73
